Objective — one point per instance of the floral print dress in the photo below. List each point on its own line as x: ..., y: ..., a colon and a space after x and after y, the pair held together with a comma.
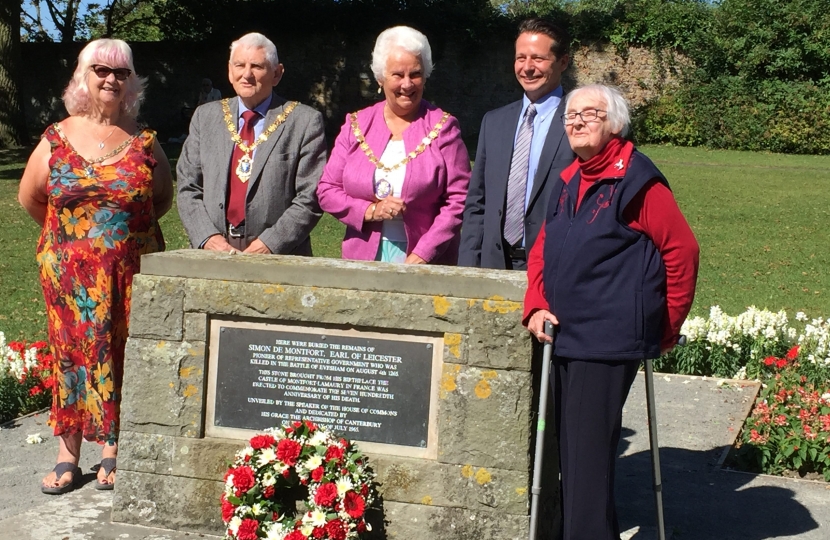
x: 99, y: 221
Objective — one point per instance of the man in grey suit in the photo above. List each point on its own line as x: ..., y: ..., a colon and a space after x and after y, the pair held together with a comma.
x: 522, y: 148
x: 248, y: 171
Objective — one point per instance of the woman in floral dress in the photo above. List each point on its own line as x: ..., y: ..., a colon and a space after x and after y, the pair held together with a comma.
x: 97, y: 183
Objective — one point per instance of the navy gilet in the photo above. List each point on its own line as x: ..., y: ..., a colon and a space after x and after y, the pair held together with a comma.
x: 604, y: 281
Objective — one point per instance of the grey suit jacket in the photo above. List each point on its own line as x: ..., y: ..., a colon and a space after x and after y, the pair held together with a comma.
x: 482, y: 240
x: 281, y: 206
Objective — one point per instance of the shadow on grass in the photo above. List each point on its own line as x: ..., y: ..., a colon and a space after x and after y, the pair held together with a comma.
x: 704, y: 502
x: 12, y: 162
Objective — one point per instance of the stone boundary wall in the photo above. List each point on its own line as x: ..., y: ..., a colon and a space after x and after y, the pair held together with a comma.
x: 170, y: 476
x: 331, y: 73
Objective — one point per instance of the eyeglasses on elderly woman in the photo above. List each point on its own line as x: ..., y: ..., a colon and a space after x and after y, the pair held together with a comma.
x: 103, y: 72
x: 588, y: 115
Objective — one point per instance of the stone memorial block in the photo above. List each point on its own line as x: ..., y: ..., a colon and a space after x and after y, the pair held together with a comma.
x: 427, y: 368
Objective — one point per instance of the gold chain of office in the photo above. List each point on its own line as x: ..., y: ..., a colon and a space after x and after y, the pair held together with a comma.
x: 426, y: 141
x: 245, y: 165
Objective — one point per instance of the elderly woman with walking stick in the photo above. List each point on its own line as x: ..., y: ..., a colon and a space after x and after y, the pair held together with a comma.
x: 614, y: 270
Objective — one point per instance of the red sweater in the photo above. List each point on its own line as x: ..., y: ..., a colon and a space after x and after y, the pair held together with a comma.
x: 655, y: 213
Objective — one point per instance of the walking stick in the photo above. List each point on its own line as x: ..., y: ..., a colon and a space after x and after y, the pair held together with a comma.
x: 655, y: 450
x: 536, y: 488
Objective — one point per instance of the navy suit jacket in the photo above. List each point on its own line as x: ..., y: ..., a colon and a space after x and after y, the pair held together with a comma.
x: 482, y: 232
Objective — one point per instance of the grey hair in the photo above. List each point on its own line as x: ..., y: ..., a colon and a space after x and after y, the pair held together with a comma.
x: 401, y: 37
x: 616, y: 105
x: 258, y: 41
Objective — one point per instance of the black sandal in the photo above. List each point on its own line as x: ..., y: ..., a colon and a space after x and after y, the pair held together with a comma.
x: 108, y: 464
x: 59, y: 470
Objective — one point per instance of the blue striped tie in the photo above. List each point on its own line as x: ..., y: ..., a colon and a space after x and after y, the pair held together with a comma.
x: 517, y: 181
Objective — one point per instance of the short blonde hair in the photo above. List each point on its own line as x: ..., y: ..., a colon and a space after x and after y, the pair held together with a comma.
x: 111, y: 52
x: 401, y: 37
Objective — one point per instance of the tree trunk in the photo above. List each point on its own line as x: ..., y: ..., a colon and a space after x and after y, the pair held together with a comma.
x: 12, y: 121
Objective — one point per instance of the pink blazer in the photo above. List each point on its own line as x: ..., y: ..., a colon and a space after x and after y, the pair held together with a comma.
x: 434, y: 188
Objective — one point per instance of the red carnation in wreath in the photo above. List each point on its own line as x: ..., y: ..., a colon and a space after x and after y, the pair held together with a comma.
x: 326, y: 495
x: 288, y: 451
x: 227, y: 509
x: 335, y: 530
x: 262, y: 441
x: 243, y: 479
x: 334, y: 453
x: 247, y: 530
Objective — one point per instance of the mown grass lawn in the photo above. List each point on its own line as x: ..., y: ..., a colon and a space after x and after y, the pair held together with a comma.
x: 761, y: 220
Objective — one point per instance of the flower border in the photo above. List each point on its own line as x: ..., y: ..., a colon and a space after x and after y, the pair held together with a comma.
x: 257, y: 501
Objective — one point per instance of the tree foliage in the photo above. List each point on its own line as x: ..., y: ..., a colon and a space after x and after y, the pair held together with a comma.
x: 764, y: 39
x: 73, y: 20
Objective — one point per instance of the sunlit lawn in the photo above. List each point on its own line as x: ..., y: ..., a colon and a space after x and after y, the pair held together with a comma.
x: 761, y: 220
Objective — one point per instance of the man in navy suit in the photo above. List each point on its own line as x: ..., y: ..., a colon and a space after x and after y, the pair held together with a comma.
x: 500, y: 225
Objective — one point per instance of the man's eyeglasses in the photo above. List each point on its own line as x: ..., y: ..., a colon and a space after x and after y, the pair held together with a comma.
x: 588, y: 115
x: 104, y: 71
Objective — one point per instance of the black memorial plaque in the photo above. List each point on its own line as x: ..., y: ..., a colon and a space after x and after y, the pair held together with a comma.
x: 368, y: 389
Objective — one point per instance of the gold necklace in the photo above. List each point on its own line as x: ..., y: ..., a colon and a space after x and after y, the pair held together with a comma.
x: 89, y: 169
x: 245, y: 165
x: 426, y: 141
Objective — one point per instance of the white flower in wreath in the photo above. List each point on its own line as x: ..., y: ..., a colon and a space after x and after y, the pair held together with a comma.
x: 276, y: 432
x: 313, y: 462
x: 229, y: 483
x: 343, y: 485
x: 315, y: 518
x: 246, y: 452
x: 242, y: 510
x: 276, y: 532
x: 234, y: 524
x: 268, y: 455
x: 319, y: 438
x: 256, y: 509
x: 268, y: 479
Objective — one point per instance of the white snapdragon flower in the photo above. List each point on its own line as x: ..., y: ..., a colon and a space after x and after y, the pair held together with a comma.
x: 801, y: 316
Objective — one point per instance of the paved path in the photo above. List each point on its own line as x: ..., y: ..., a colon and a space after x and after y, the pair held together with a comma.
x: 697, y: 421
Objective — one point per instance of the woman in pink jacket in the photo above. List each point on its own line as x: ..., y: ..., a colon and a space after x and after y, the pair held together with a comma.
x: 398, y: 174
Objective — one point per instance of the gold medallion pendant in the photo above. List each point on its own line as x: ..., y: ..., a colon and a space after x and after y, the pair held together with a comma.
x: 246, y: 163
x: 244, y: 167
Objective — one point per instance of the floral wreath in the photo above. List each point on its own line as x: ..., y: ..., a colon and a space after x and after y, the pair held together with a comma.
x: 266, y: 478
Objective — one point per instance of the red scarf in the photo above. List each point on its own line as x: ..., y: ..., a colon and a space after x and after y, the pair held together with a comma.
x: 611, y: 162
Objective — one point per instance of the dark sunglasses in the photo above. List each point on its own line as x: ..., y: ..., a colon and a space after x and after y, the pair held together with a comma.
x: 104, y: 71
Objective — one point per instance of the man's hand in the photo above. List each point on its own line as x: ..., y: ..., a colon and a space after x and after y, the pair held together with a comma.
x: 257, y: 246
x: 536, y: 324
x: 217, y: 243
